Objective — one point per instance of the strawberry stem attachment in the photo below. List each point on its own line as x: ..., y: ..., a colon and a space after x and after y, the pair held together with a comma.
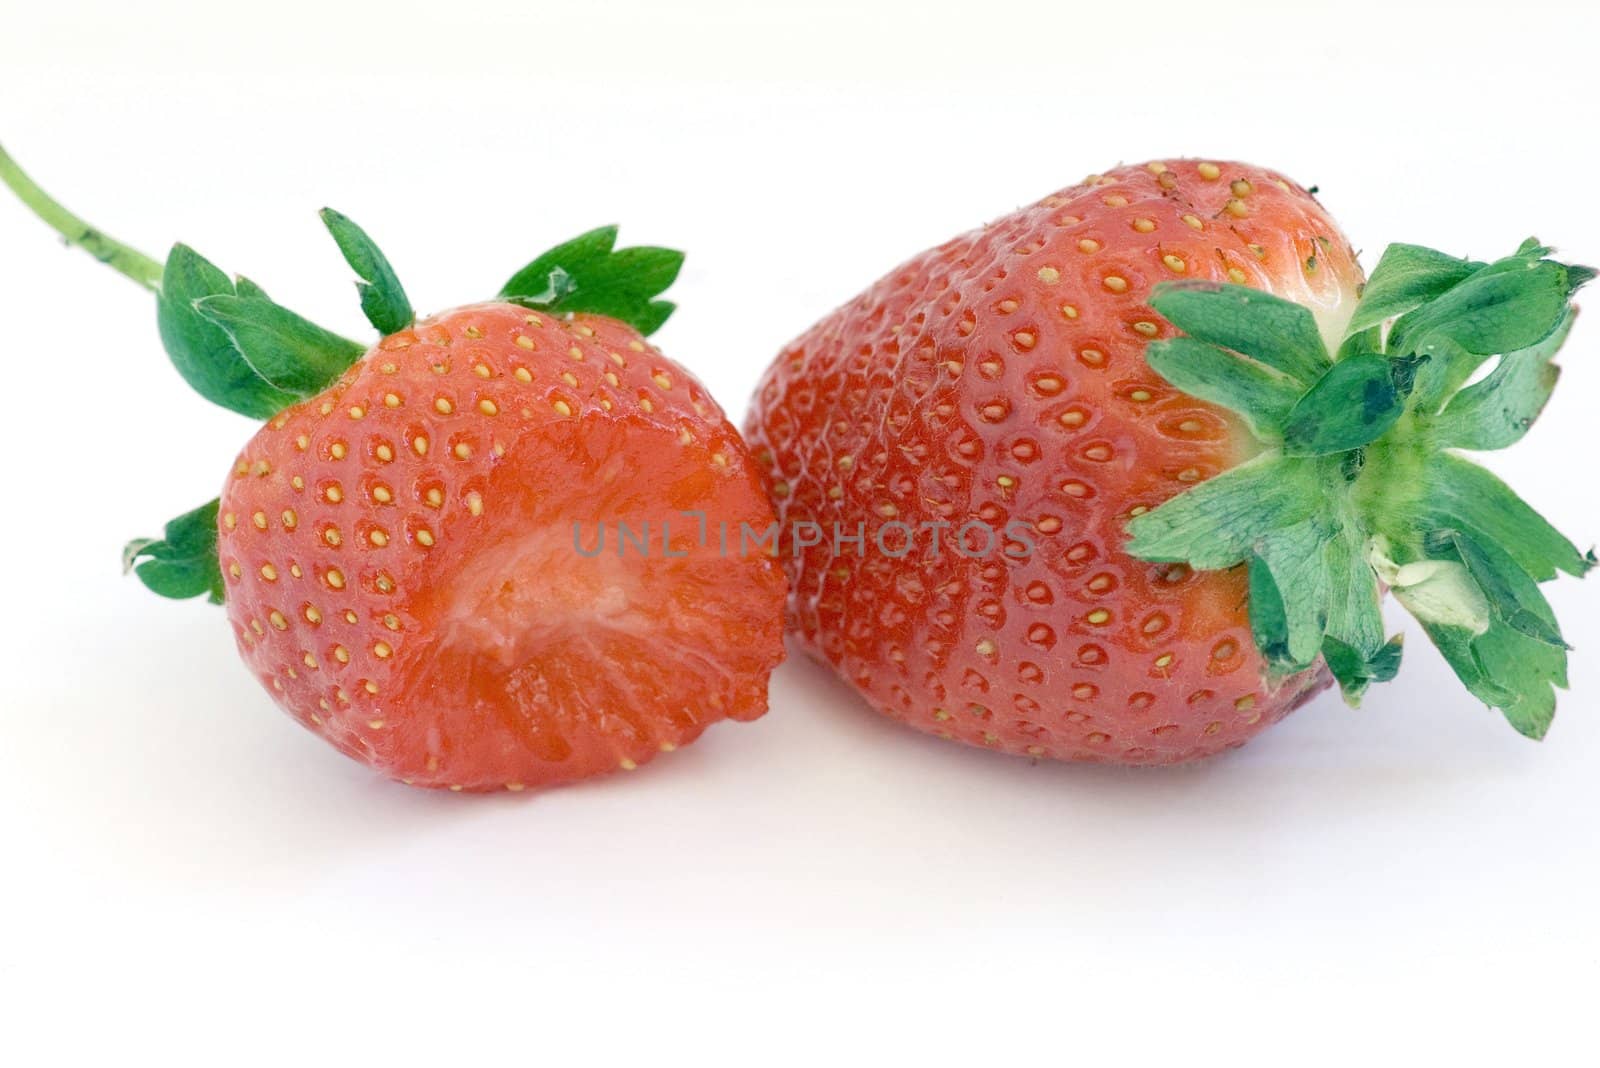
x: 74, y: 231
x: 1358, y: 485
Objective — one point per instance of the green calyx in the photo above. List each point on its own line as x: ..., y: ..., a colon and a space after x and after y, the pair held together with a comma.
x: 1357, y: 486
x: 238, y: 348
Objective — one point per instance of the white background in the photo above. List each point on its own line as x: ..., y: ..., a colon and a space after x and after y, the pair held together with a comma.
x: 183, y: 871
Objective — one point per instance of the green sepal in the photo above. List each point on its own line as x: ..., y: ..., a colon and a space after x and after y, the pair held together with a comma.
x: 1272, y: 331
x: 383, y: 299
x: 293, y: 354
x: 1289, y: 571
x: 1260, y: 394
x: 1513, y: 597
x: 1218, y: 523
x: 1457, y: 494
x: 203, y: 352
x: 1511, y: 305
x: 590, y: 274
x: 182, y: 563
x: 1354, y: 487
x: 1353, y: 404
x: 1407, y: 276
x: 1355, y: 672
x: 1497, y: 411
x: 1506, y: 670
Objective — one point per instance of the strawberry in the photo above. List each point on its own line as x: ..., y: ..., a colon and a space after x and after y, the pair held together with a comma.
x: 1183, y: 352
x: 422, y: 552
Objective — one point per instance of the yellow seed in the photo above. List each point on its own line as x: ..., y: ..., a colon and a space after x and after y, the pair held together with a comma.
x: 310, y: 661
x: 276, y: 618
x: 302, y: 443
x: 341, y: 654
x: 230, y: 520
x: 1072, y: 418
x: 1174, y: 263
x: 1236, y: 276
x: 562, y: 408
x: 233, y: 569
x: 986, y: 647
x: 475, y: 503
x: 335, y: 578
x: 259, y: 520
x: 297, y: 482
x: 662, y: 379
x: 350, y: 616
x: 357, y: 411
x: 381, y: 650
x: 627, y: 765
x: 488, y: 407
x: 290, y: 520
x: 425, y: 537
x: 1116, y: 283
x: 312, y: 615
x: 1236, y: 208
x: 443, y: 406
x: 1210, y: 171
x: 391, y: 400
x: 334, y: 494
x: 434, y: 497
x: 1139, y: 395
x: 379, y: 538
x: 524, y: 341
x: 1145, y: 327
x: 1049, y: 275
x: 1193, y: 221
x: 331, y: 536
x: 522, y: 374
x: 1098, y: 616
x: 1241, y: 187
x: 1144, y: 226
x: 269, y: 572
x: 462, y: 450
x: 381, y: 494
x: 337, y: 450
x: 1164, y: 660
x: 420, y: 445
x: 1069, y: 311
x: 1088, y: 244
x: 481, y: 370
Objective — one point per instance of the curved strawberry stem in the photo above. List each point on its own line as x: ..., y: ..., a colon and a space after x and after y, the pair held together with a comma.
x: 108, y: 250
x: 1359, y: 485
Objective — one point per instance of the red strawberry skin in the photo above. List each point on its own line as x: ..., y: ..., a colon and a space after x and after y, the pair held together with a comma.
x: 1001, y: 378
x: 402, y: 572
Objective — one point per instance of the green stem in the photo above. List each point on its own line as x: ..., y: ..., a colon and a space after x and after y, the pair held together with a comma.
x: 129, y: 261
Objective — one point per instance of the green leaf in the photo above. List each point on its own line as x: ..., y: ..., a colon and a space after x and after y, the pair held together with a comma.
x: 589, y: 274
x: 1276, y: 332
x: 203, y: 352
x: 383, y: 300
x: 1255, y: 391
x: 1497, y: 412
x: 1407, y: 276
x: 1352, y: 405
x: 293, y: 354
x: 1218, y: 523
x: 1513, y: 596
x: 183, y: 562
x: 1456, y: 493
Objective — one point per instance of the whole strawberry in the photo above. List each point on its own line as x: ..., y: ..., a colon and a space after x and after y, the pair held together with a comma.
x: 480, y: 555
x: 959, y: 455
